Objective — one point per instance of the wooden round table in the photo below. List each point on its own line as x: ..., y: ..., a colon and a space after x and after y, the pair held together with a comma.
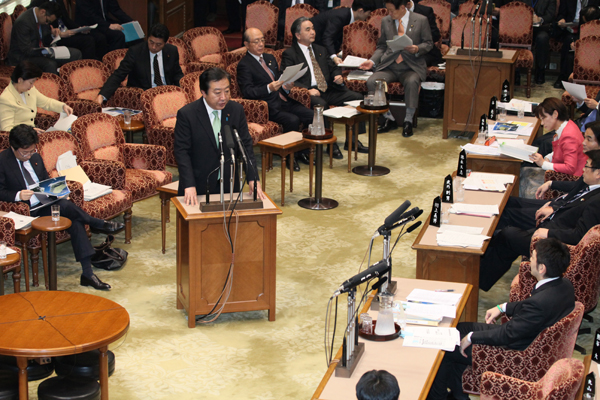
x: 52, y: 324
x: 45, y: 224
x: 9, y: 260
x: 318, y: 202
x: 135, y: 126
x: 371, y: 169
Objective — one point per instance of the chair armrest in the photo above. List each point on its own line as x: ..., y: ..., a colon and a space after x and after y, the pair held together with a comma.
x: 76, y: 195
x: 105, y: 172
x: 17, y: 207
x: 257, y: 111
x: 84, y: 107
x: 145, y: 156
x: 301, y: 95
x: 497, y: 386
x: 7, y: 231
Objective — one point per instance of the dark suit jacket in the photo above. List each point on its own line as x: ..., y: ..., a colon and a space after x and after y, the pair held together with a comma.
x: 25, y: 38
x: 329, y: 28
x: 136, y: 67
x: 435, y: 32
x: 586, y: 110
x: 253, y: 80
x: 63, y: 13
x: 196, y: 149
x: 547, y: 305
x: 89, y: 12
x: 11, y: 178
x: 294, y: 55
x: 567, y: 10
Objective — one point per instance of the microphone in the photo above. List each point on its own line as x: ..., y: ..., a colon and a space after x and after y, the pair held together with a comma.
x: 395, y: 216
x: 240, y: 145
x: 379, y: 283
x: 229, y: 143
x: 475, y: 12
x: 372, y: 272
x: 208, y: 185
x: 415, y: 212
x: 462, y: 34
x: 413, y: 226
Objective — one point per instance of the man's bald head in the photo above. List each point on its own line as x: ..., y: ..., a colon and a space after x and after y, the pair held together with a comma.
x: 254, y: 40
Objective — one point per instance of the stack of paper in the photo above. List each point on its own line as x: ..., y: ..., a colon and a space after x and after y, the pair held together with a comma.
x: 292, y: 73
x: 66, y: 165
x: 450, y: 238
x: 352, y: 62
x: 64, y: 123
x: 21, y: 221
x: 359, y: 75
x: 487, y: 182
x: 431, y: 338
x: 476, y: 210
x: 515, y: 104
x: 116, y: 111
x: 423, y: 314
x: 471, y: 230
x: 481, y: 150
x: 339, y: 112
x: 576, y: 90
x: 423, y: 296
x: 521, y: 152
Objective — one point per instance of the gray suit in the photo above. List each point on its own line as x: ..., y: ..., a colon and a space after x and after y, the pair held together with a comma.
x: 413, y: 69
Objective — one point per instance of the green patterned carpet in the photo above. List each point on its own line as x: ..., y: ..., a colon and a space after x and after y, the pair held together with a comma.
x: 243, y: 355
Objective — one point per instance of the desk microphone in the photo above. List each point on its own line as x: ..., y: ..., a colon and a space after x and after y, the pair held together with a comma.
x: 240, y: 146
x: 229, y: 143
x: 254, y: 169
x: 372, y: 272
x: 395, y: 216
x: 462, y: 34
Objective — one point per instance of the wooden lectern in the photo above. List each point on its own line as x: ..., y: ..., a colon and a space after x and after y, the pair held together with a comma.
x: 204, y: 255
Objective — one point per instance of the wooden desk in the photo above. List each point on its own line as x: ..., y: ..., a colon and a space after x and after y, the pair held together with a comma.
x: 415, y: 368
x: 502, y: 164
x: 204, y: 256
x: 51, y: 324
x: 461, y: 72
x: 458, y: 264
x: 166, y: 192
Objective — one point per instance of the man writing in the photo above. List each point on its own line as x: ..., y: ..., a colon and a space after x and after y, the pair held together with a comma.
x: 552, y: 299
x: 197, y: 130
x: 146, y: 65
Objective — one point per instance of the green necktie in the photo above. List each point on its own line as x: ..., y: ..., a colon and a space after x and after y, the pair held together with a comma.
x: 216, y: 126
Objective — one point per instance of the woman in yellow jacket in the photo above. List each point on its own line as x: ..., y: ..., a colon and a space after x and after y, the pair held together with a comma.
x: 20, y: 100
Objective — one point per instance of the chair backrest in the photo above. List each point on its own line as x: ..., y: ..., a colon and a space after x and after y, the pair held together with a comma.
x: 84, y: 78
x: 113, y: 59
x: 466, y: 7
x: 584, y: 270
x: 99, y: 136
x: 292, y: 14
x: 360, y: 40
x: 19, y: 9
x: 205, y: 44
x: 190, y: 85
x: 236, y: 93
x: 4, y: 144
x: 441, y: 8
x: 182, y: 49
x: 550, y: 175
x: 516, y: 24
x: 265, y: 16
x: 53, y: 86
x: 458, y: 24
x: 375, y: 19
x: 586, y: 68
x: 5, y: 31
x: 53, y: 144
x: 591, y: 28
x: 234, y: 56
x: 160, y: 105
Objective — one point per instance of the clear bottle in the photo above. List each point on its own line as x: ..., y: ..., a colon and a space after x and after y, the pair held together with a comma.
x: 379, y: 99
x: 318, y: 125
x: 385, y: 319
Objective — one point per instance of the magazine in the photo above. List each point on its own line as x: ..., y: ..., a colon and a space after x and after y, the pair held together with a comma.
x: 53, y: 187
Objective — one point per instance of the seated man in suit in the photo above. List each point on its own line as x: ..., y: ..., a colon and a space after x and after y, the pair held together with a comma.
x: 146, y: 65
x: 196, y: 138
x: 109, y: 16
x: 567, y: 219
x: 377, y: 385
x: 323, y: 79
x: 258, y: 75
x: 552, y: 299
x: 408, y: 65
x: 591, y: 111
x: 329, y: 25
x: 31, y: 35
x: 21, y: 167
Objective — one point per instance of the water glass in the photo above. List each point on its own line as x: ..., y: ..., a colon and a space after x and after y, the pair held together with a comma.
x: 127, y: 117
x: 502, y: 114
x: 460, y: 194
x: 366, y: 323
x: 521, y: 111
x: 55, y: 212
x: 445, y: 215
x: 481, y: 138
x: 2, y: 250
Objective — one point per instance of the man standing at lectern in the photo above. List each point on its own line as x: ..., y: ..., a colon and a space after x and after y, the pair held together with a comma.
x: 197, y: 138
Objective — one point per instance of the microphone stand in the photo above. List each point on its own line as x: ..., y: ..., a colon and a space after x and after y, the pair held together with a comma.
x: 487, y: 34
x: 231, y: 179
x: 352, y: 349
x: 480, y: 33
x: 241, y: 177
x: 473, y: 33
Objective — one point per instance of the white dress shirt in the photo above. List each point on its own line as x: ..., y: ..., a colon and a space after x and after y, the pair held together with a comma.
x: 34, y: 200
x: 313, y: 80
x: 160, y: 68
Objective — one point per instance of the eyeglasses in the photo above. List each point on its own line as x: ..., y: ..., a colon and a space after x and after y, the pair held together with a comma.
x: 257, y: 41
x: 27, y: 153
x: 590, y: 167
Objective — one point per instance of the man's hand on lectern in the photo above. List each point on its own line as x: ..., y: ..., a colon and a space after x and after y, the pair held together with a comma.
x: 259, y: 192
x: 190, y: 196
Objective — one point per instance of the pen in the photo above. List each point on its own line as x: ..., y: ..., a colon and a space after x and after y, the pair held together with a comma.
x: 444, y: 290
x: 419, y: 302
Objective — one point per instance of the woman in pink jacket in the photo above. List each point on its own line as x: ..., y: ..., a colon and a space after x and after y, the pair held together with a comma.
x: 567, y: 156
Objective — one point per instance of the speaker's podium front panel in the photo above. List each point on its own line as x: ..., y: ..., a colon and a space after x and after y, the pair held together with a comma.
x: 204, y: 257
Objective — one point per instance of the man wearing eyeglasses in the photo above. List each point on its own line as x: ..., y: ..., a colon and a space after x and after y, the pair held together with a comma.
x: 567, y: 218
x: 20, y: 168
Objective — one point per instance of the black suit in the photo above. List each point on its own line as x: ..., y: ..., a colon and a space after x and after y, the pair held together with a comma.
x: 433, y: 56
x: 547, y: 305
x: 196, y: 149
x: 25, y: 39
x: 335, y: 94
x: 586, y: 111
x: 569, y: 224
x: 12, y: 182
x: 253, y: 81
x: 329, y: 28
x: 137, y: 68
x: 90, y: 12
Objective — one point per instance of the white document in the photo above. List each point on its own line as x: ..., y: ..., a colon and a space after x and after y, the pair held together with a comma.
x: 476, y: 210
x: 576, y: 90
x: 353, y: 103
x: 359, y: 75
x: 290, y: 73
x: 56, y: 39
x: 432, y: 297
x: 471, y: 230
x: 66, y: 161
x: 84, y: 28
x: 93, y: 190
x: 514, y: 105
x: 481, y: 150
x: 60, y: 52
x: 339, y: 112
x: 399, y: 43
x: 488, y: 182
x: 460, y: 239
x: 21, y: 221
x: 521, y: 152
x: 66, y: 165
x: 64, y: 123
x: 352, y: 62
x: 431, y: 337
x: 429, y: 311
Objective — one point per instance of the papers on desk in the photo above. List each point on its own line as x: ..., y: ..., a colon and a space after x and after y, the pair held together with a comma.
x: 292, y: 73
x: 399, y: 42
x: 515, y: 104
x: 470, y: 230
x: 510, y: 129
x: 341, y: 112
x: 64, y: 123
x: 488, y: 182
x: 476, y: 210
x: 353, y: 103
x: 352, y: 62
x: 422, y: 296
x: 359, y: 75
x: 116, y: 111
x: 21, y: 221
x: 522, y: 152
x: 450, y: 238
x: 431, y: 338
x: 66, y: 165
x: 481, y: 149
x: 426, y: 312
x: 575, y: 90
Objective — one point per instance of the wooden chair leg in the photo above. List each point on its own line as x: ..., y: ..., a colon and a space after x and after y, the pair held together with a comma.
x: 528, y: 89
x: 25, y: 259
x: 45, y: 259
x: 16, y: 275
x: 127, y: 220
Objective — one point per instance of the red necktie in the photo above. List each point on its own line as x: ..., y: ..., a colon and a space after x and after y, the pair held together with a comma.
x: 39, y: 27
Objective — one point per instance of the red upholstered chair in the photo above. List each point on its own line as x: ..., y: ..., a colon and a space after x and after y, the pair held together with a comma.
x: 206, y: 44
x: 234, y: 56
x: 466, y: 7
x: 7, y: 234
x: 586, y: 68
x: 434, y: 73
x: 458, y: 24
x: 101, y: 138
x: 53, y: 144
x: 19, y: 9
x: 441, y: 8
x: 159, y: 108
x: 265, y: 16
x: 556, y: 176
x: 516, y: 33
x: 5, y: 34
x: 113, y: 59
x: 292, y: 14
x: 552, y: 344
x: 359, y: 40
x: 182, y: 49
x: 591, y: 28
x: 375, y: 19
x: 561, y: 382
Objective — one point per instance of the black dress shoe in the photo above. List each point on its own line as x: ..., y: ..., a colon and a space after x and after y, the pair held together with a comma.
x: 337, y: 154
x: 558, y: 84
x: 94, y: 282
x: 540, y: 78
x: 387, y: 126
x: 296, y: 166
x: 407, y: 129
x: 111, y: 227
x: 303, y: 158
x: 361, y: 147
x: 229, y: 31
